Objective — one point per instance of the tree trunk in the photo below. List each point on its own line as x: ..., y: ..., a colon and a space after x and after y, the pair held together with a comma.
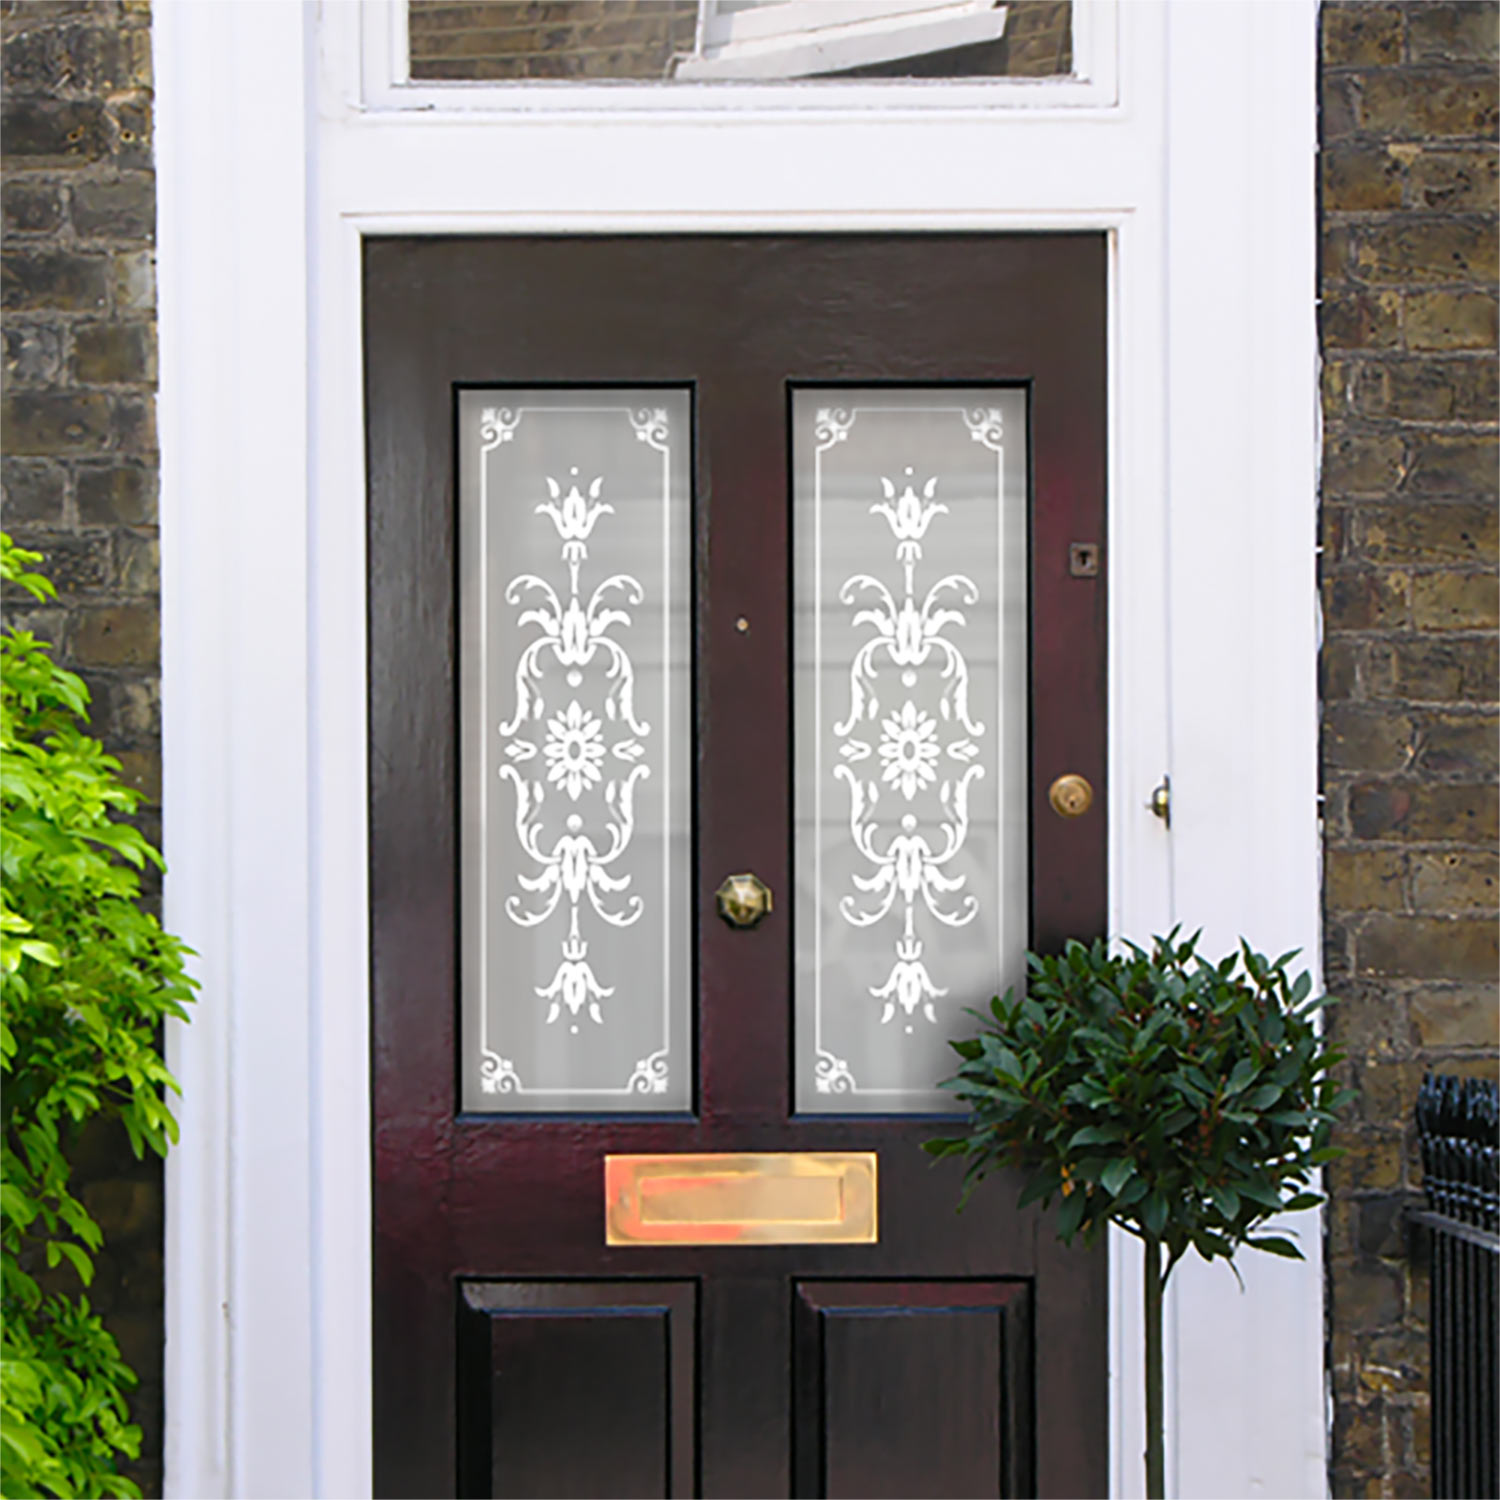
x: 1155, y: 1464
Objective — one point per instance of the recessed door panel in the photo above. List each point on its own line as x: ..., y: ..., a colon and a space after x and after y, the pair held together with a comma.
x: 577, y: 1389
x: 913, y: 1388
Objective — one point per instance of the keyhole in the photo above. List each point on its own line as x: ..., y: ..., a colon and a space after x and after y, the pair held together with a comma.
x: 1083, y: 560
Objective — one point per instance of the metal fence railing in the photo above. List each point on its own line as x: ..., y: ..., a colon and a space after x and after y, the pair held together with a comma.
x: 1457, y: 1121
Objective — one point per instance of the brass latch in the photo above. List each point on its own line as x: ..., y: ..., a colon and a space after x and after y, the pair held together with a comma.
x: 1161, y: 801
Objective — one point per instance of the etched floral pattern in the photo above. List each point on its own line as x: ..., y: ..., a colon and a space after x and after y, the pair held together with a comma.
x: 908, y: 679
x: 909, y: 984
x: 573, y: 515
x: 574, y: 984
x: 909, y: 516
x: 574, y: 749
x: 909, y: 750
x: 574, y: 731
x: 906, y: 868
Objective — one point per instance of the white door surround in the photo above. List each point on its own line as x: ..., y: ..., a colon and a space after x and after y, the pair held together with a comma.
x: 286, y: 132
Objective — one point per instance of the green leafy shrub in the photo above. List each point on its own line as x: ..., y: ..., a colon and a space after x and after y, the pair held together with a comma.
x: 1185, y: 1101
x: 87, y: 978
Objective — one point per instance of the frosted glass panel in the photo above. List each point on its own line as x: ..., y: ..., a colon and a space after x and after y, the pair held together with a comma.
x: 574, y: 548
x: 909, y: 535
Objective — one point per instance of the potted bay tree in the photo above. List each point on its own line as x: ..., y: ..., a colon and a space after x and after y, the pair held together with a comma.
x: 1187, y: 1102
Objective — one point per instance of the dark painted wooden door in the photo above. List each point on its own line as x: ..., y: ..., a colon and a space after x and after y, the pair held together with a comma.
x: 516, y: 1352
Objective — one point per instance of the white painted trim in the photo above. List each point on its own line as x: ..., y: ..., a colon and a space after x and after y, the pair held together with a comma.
x: 233, y: 292
x: 1242, y: 486
x: 1212, y: 462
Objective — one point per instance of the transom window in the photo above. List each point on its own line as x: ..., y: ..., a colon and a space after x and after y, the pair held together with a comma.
x: 727, y: 40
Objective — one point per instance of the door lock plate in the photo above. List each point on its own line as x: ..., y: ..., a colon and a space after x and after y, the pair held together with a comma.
x: 1083, y: 560
x: 1071, y: 796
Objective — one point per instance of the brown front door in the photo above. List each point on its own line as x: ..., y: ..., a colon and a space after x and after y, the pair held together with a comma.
x: 694, y: 557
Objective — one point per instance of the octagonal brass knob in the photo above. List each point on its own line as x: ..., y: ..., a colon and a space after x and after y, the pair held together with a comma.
x: 1071, y: 796
x: 744, y: 900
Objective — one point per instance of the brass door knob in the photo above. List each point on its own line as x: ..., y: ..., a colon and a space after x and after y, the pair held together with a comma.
x: 744, y: 900
x: 1071, y: 795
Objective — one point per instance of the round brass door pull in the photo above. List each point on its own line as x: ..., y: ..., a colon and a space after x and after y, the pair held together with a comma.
x: 744, y: 900
x: 1071, y: 796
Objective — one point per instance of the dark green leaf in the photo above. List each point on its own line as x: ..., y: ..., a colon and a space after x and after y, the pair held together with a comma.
x: 945, y: 1147
x: 1070, y: 1215
x: 1239, y: 1078
x: 1261, y: 1098
x: 1300, y: 1201
x: 1154, y: 1211
x: 1042, y: 1185
x: 1226, y: 1200
x: 1260, y: 1193
x: 1275, y: 1245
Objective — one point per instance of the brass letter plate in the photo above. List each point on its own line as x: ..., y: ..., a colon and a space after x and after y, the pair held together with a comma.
x: 760, y: 1198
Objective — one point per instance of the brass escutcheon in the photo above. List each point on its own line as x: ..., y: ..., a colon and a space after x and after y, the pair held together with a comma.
x: 744, y: 900
x: 1071, y: 796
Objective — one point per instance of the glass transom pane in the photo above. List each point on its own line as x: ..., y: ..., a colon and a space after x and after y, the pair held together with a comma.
x: 710, y: 41
x: 910, y: 639
x: 575, y: 548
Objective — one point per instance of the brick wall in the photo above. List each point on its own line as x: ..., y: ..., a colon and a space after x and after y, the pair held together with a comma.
x: 1410, y: 595
x: 79, y: 471
x: 512, y: 39
x: 499, y: 39
x: 1038, y: 38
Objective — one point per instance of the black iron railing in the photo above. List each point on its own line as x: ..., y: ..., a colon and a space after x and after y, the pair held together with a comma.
x: 1458, y: 1120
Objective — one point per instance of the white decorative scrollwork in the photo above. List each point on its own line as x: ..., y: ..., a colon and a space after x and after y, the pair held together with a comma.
x: 831, y: 425
x: 906, y: 867
x: 574, y: 984
x: 905, y: 743
x: 572, y: 866
x: 574, y: 752
x: 651, y: 427
x: 985, y: 426
x: 574, y: 518
x: 498, y: 425
x: 497, y: 1075
x: 832, y: 1074
x: 651, y: 1075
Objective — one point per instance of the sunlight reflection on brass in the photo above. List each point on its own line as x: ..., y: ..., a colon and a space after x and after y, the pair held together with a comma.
x: 765, y: 1198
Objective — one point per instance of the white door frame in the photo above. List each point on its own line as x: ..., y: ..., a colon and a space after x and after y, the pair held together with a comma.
x: 286, y: 132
